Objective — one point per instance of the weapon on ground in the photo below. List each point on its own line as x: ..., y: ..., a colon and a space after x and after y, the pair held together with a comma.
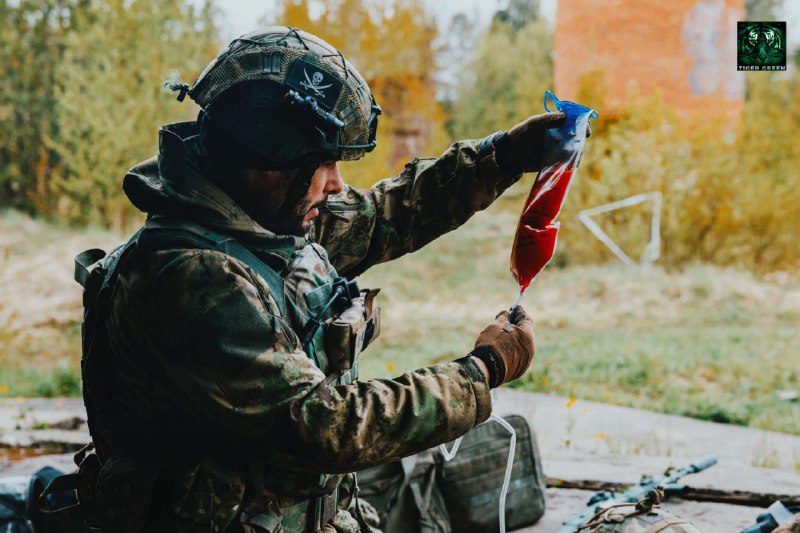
x: 604, y: 498
x: 777, y: 514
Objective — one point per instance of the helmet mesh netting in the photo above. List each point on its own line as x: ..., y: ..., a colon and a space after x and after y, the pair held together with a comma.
x: 267, y: 55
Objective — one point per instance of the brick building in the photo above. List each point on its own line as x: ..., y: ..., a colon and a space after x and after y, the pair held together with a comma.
x: 687, y: 48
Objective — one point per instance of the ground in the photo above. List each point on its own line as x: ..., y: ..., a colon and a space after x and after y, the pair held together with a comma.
x: 579, y: 442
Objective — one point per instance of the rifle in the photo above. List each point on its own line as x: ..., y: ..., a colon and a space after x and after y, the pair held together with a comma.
x: 605, y: 498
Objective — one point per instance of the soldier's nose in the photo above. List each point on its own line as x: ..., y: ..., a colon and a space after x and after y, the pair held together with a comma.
x: 333, y: 183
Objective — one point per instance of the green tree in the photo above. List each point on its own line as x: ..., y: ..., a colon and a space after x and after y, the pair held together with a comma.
x: 518, y: 13
x: 507, y: 75
x: 459, y: 36
x: 110, y: 101
x: 763, y: 9
x: 31, y: 42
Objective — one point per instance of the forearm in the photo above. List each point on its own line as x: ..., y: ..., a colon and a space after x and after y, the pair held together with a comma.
x: 402, y: 214
x: 350, y: 427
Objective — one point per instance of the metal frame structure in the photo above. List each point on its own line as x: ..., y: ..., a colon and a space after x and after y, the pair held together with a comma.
x: 652, y: 250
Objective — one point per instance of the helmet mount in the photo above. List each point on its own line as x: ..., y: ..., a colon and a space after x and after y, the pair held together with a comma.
x: 285, y: 80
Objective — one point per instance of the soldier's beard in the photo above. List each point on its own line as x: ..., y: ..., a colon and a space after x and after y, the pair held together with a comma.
x: 283, y: 221
x: 297, y: 222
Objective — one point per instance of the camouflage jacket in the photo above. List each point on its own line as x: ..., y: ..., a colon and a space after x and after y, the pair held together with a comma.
x: 216, y: 378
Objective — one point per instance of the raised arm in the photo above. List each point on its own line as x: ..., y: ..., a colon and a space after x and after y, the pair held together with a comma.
x: 429, y: 197
x: 398, y: 215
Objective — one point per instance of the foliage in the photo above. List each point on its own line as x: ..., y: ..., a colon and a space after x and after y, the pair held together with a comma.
x: 80, y: 100
x: 506, y: 76
x: 110, y: 107
x: 728, y: 197
x: 763, y: 9
x: 31, y: 39
x: 766, y: 213
x: 391, y: 43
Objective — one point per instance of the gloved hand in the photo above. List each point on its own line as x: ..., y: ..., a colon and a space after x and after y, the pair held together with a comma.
x: 521, y: 148
x: 506, y: 347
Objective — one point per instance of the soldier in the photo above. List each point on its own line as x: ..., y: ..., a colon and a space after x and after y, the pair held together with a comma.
x: 221, y: 342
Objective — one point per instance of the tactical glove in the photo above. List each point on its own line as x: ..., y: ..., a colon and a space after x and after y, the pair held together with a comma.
x: 506, y: 347
x: 521, y: 148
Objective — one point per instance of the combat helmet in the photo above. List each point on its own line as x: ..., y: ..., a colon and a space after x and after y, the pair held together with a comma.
x: 278, y: 96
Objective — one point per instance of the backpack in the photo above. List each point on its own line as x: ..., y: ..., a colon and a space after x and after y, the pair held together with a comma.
x: 471, y: 482
x: 424, y: 493
x: 405, y: 494
x: 18, y: 510
x: 96, y: 271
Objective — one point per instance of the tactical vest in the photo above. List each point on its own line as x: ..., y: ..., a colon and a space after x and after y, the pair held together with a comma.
x: 333, y: 320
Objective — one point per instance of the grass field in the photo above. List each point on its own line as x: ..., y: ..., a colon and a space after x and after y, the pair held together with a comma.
x: 706, y: 342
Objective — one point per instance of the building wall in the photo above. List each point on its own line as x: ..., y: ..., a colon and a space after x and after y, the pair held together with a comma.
x: 686, y: 48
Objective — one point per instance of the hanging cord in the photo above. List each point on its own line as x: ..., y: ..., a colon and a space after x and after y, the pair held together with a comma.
x: 509, y: 464
x: 449, y: 455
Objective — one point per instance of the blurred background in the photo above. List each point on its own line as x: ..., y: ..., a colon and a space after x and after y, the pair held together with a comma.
x: 709, y: 330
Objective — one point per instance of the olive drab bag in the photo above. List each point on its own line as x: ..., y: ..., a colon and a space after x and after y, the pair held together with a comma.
x: 426, y: 494
x: 406, y: 495
x: 471, y: 482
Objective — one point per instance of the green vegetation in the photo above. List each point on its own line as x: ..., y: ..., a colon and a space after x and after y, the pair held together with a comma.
x: 28, y: 383
x: 81, y: 98
x: 706, y: 342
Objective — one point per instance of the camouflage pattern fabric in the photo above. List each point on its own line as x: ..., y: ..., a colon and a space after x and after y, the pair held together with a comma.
x: 625, y: 520
x: 644, y: 516
x: 248, y: 426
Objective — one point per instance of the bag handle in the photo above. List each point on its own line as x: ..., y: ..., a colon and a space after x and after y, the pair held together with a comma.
x: 61, y: 484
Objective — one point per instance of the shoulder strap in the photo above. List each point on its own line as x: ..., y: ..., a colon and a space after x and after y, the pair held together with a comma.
x: 161, y: 233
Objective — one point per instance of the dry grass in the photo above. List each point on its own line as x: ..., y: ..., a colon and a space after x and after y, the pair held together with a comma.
x: 40, y: 306
x: 708, y: 342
